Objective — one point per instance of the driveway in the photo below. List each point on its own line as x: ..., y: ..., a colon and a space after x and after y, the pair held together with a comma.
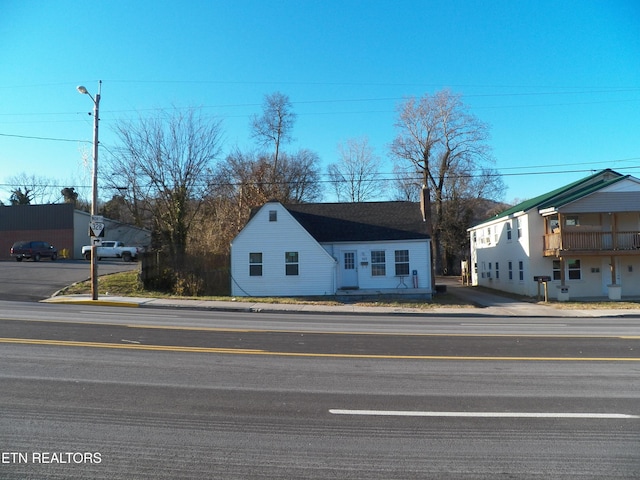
x: 33, y: 281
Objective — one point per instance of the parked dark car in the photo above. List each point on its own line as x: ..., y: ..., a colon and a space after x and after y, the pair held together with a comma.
x: 34, y: 250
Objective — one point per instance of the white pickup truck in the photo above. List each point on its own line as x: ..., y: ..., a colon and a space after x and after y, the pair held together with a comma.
x: 111, y: 249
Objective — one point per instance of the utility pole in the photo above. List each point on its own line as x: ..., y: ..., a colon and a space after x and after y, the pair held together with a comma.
x: 94, y: 189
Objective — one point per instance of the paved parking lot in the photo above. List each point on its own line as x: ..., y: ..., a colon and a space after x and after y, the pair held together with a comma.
x: 34, y: 281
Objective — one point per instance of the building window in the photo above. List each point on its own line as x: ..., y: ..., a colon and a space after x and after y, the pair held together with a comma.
x: 273, y: 215
x: 291, y: 263
x: 521, y: 270
x: 378, y: 263
x: 497, y: 271
x: 557, y: 272
x: 510, y: 270
x: 402, y: 262
x: 519, y: 223
x: 575, y: 272
x: 572, y: 221
x: 255, y: 264
x: 349, y: 260
x: 509, y: 230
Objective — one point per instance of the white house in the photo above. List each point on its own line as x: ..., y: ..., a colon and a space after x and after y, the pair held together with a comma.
x: 332, y: 248
x: 584, y: 237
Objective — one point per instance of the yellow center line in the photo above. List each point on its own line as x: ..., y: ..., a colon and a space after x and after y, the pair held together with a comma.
x: 238, y: 351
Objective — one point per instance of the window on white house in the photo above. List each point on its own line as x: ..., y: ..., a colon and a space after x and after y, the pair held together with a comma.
x: 291, y: 263
x: 509, y: 230
x: 273, y: 215
x: 497, y: 270
x: 521, y: 270
x: 378, y: 263
x: 557, y: 272
x: 402, y: 262
x: 255, y: 264
x: 575, y: 272
x: 519, y: 223
x: 510, y: 270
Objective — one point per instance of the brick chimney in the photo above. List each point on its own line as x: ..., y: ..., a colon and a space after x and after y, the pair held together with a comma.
x: 425, y: 209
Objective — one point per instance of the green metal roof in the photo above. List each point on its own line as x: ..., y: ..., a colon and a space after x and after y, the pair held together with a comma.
x: 564, y: 195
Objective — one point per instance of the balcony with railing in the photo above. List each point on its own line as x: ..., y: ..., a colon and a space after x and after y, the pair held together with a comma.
x: 592, y: 243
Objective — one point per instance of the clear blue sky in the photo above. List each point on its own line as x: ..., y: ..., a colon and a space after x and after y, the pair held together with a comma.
x: 557, y: 81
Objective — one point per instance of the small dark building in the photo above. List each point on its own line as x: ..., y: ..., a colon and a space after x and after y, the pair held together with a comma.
x: 60, y: 225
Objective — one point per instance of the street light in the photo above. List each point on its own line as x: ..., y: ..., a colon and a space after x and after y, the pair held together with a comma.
x: 94, y: 186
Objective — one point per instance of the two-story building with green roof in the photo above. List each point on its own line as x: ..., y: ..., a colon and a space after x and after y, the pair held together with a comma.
x: 583, y: 237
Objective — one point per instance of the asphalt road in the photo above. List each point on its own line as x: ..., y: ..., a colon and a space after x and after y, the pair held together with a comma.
x: 34, y: 281
x: 164, y: 394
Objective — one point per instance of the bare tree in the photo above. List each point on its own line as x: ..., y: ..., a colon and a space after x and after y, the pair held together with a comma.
x: 273, y: 128
x: 355, y: 177
x: 406, y: 182
x: 245, y: 180
x: 299, y: 180
x: 249, y: 178
x: 161, y: 167
x: 31, y: 189
x: 443, y: 141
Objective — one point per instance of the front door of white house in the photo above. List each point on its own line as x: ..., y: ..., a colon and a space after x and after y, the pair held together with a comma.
x: 349, y: 270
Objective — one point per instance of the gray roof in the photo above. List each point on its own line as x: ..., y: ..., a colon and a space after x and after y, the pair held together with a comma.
x: 360, y: 221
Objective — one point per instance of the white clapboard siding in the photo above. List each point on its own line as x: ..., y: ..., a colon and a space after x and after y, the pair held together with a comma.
x: 316, y: 268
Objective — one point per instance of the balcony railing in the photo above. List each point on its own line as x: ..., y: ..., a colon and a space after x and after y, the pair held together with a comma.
x: 591, y: 241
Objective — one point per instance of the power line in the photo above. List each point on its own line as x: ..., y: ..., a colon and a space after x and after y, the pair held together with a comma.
x: 44, y: 138
x: 381, y: 177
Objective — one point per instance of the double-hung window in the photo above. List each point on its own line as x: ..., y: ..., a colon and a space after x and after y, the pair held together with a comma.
x: 378, y: 263
x: 557, y: 271
x: 291, y: 263
x: 255, y: 264
x: 575, y: 272
x: 521, y: 270
x: 402, y: 262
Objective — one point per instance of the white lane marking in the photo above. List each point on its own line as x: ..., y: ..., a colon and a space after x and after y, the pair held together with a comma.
x: 513, y: 324
x: 401, y: 413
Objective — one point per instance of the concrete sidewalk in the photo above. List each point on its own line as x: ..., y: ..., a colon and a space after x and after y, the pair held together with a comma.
x: 484, y: 304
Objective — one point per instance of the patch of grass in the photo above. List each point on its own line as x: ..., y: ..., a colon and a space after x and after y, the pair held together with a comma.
x: 123, y: 283
x: 575, y: 305
x: 595, y: 305
x: 127, y: 284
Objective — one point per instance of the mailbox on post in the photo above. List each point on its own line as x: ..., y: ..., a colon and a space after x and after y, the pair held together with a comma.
x: 543, y: 279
